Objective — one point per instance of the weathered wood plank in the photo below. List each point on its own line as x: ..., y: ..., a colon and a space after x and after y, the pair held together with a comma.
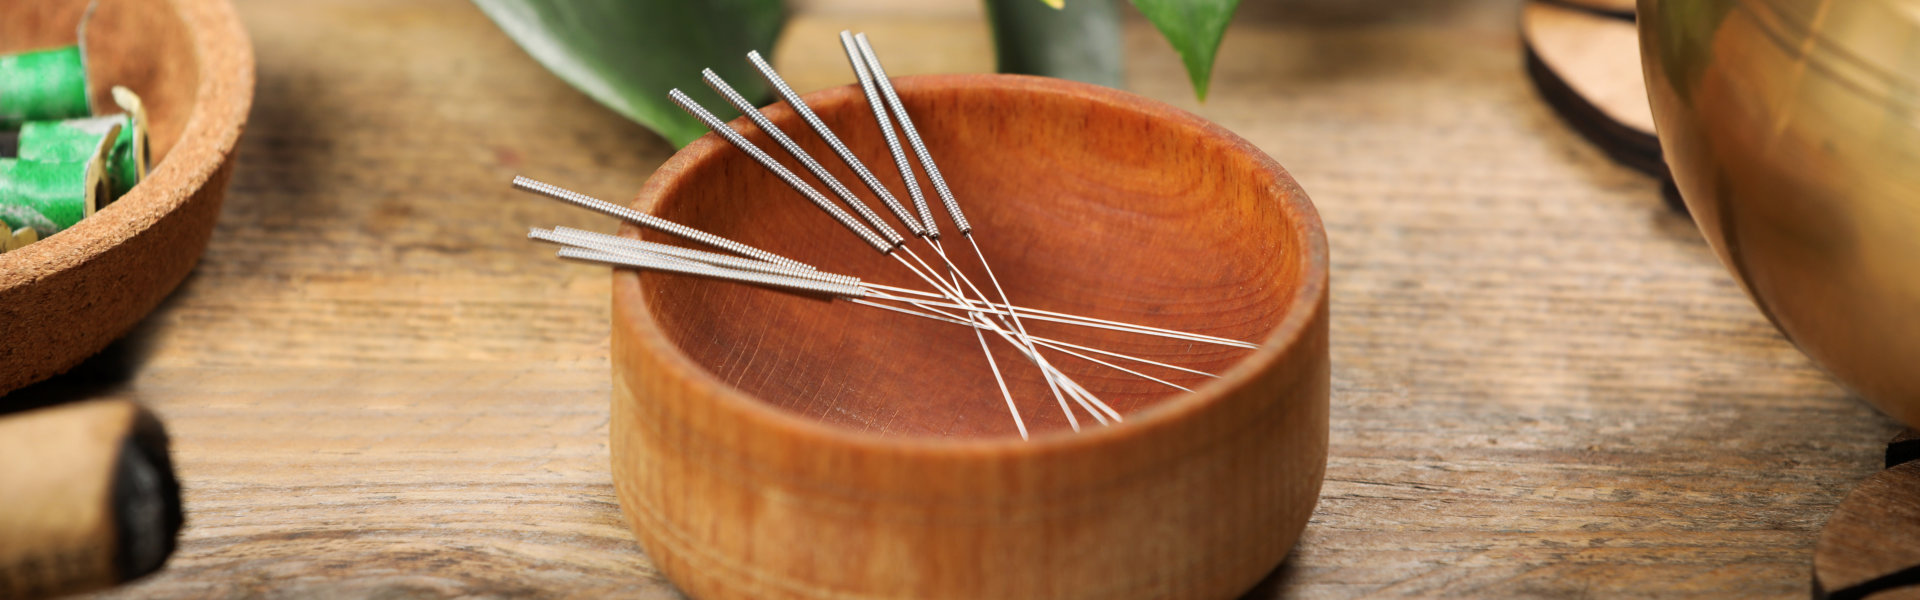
x: 1544, y: 384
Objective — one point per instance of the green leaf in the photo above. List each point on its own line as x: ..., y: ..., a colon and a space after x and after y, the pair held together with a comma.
x: 1194, y: 27
x: 628, y: 53
x: 1079, y: 42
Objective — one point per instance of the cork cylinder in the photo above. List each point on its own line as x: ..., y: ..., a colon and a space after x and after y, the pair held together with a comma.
x: 90, y: 498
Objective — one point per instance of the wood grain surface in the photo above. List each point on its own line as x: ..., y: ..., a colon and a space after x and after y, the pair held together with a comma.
x: 1544, y: 385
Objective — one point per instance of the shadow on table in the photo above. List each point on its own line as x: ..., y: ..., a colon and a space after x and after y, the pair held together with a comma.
x: 99, y: 376
x: 1270, y: 587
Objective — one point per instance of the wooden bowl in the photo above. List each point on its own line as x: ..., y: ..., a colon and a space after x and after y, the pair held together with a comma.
x: 767, y: 445
x: 66, y: 297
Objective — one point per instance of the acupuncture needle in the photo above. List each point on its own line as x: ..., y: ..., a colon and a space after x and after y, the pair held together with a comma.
x: 1086, y: 400
x: 544, y: 189
x: 1082, y: 396
x: 780, y: 138
x: 874, y: 79
x: 623, y: 251
x: 840, y: 148
x: 886, y: 242
x: 793, y: 149
x: 634, y: 258
x: 625, y: 256
x: 1045, y: 342
x: 885, y: 246
x: 876, y: 72
x: 809, y: 272
x: 697, y: 269
x: 621, y: 245
x: 649, y: 221
x: 881, y: 83
x: 617, y: 244
x: 952, y: 291
x: 786, y: 142
x: 930, y: 231
x: 631, y: 256
x: 859, y: 168
x: 1059, y: 317
x: 1000, y: 309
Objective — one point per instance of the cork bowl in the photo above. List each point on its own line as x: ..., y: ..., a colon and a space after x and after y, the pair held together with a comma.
x: 768, y: 445
x: 66, y: 297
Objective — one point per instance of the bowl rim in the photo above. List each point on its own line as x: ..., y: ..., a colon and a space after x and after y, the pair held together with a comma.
x: 1307, y: 304
x: 223, y: 57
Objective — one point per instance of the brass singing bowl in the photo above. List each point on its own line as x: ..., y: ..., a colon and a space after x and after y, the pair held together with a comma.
x: 1793, y: 130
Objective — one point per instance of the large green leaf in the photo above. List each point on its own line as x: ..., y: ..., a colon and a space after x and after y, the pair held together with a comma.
x: 1080, y: 42
x: 628, y: 53
x: 1194, y: 27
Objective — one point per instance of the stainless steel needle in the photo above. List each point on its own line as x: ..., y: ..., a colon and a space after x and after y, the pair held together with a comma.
x: 886, y: 241
x: 757, y: 267
x: 880, y: 91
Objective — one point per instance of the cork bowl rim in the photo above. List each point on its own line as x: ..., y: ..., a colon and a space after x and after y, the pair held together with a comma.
x: 1302, y: 223
x: 225, y: 66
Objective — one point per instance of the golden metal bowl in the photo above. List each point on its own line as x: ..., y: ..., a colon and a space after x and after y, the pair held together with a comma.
x: 1793, y: 130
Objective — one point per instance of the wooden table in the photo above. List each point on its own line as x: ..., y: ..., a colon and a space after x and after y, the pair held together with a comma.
x: 1544, y: 383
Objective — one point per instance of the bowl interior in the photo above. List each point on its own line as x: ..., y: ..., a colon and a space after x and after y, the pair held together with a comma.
x: 140, y: 44
x: 1083, y: 201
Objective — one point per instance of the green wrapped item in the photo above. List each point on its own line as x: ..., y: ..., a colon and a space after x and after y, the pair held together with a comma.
x: 57, y: 192
x: 71, y: 140
x: 74, y: 140
x: 43, y: 85
x: 50, y: 197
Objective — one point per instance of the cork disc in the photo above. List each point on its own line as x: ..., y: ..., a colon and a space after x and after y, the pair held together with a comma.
x: 1871, y: 545
x: 1587, y: 66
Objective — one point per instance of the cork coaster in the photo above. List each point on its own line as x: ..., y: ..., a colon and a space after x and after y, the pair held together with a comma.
x: 1870, y: 547
x: 1584, y: 58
